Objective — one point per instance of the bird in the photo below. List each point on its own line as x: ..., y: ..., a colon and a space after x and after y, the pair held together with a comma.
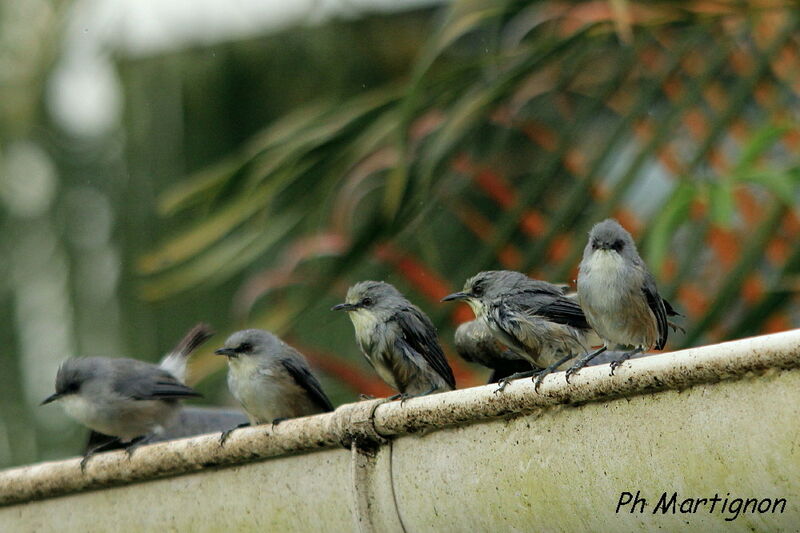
x: 397, y: 339
x: 533, y: 318
x: 126, y: 399
x: 476, y: 343
x: 271, y: 380
x: 190, y: 421
x: 619, y: 296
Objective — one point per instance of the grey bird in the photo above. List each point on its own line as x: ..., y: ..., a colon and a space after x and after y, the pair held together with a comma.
x: 398, y: 340
x: 533, y: 318
x: 190, y: 421
x: 476, y: 343
x: 270, y: 379
x: 126, y: 399
x: 619, y: 295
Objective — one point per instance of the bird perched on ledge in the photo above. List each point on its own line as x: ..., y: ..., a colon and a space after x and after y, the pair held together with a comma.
x: 476, y: 343
x: 125, y: 398
x: 270, y: 379
x: 619, y: 295
x: 398, y: 339
x: 533, y: 318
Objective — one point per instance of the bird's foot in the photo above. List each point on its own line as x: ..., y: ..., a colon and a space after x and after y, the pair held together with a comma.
x: 363, y: 397
x: 537, y: 381
x: 571, y: 371
x: 134, y: 445
x: 227, y: 433
x: 90, y: 453
x: 624, y: 357
x: 85, y: 461
x: 277, y: 421
x: 501, y: 385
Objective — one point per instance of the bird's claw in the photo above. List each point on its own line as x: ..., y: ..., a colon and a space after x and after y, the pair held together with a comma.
x: 134, y: 445
x: 84, y: 462
x: 502, y: 384
x: 537, y: 381
x: 614, y: 365
x: 402, y: 396
x: 224, y: 436
x: 363, y: 397
x: 277, y: 421
x: 227, y: 433
x: 570, y: 372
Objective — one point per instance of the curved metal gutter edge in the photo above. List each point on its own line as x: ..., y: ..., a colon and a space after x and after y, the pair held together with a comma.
x: 368, y: 424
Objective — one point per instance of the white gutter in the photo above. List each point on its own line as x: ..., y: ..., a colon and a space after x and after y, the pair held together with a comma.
x: 721, y: 418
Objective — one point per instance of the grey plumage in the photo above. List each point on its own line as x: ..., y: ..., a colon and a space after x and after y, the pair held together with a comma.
x: 270, y: 379
x: 476, y: 343
x: 190, y: 421
x: 619, y: 295
x: 398, y: 339
x: 125, y: 398
x: 533, y: 318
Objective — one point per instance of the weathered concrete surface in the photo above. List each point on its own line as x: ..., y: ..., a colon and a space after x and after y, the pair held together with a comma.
x: 715, y: 419
x: 565, y: 468
x: 302, y: 493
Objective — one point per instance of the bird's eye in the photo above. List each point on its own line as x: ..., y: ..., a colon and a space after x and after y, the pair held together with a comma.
x: 595, y: 244
x: 477, y: 290
x: 618, y: 245
x: 245, y: 347
x: 72, y: 387
x: 366, y: 302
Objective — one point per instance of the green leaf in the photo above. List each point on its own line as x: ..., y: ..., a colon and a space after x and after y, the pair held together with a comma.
x: 782, y: 184
x: 663, y: 226
x: 202, y: 186
x: 221, y: 262
x: 761, y: 141
x: 721, y: 202
x: 204, y: 233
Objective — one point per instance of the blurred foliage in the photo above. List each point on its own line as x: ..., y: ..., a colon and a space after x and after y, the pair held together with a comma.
x: 521, y: 124
x: 252, y: 181
x: 90, y: 199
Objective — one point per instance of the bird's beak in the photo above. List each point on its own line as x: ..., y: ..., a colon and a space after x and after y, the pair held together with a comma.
x: 456, y: 296
x: 227, y: 352
x: 51, y: 398
x: 344, y: 307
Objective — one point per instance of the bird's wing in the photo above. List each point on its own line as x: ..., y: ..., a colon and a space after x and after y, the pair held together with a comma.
x: 153, y: 383
x: 658, y: 308
x: 548, y: 305
x: 303, y: 377
x: 564, y: 311
x: 419, y: 335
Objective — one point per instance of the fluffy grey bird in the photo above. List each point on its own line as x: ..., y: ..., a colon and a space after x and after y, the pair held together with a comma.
x: 619, y: 295
x: 123, y: 398
x: 270, y: 379
x: 533, y: 318
x: 190, y: 421
x: 476, y: 343
x: 398, y: 339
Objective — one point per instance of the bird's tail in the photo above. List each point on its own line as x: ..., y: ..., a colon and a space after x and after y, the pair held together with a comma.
x: 175, y: 361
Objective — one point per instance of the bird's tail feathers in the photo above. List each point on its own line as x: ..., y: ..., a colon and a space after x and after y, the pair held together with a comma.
x: 175, y: 361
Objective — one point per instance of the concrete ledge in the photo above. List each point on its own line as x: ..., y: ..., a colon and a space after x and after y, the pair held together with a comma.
x: 457, y: 447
